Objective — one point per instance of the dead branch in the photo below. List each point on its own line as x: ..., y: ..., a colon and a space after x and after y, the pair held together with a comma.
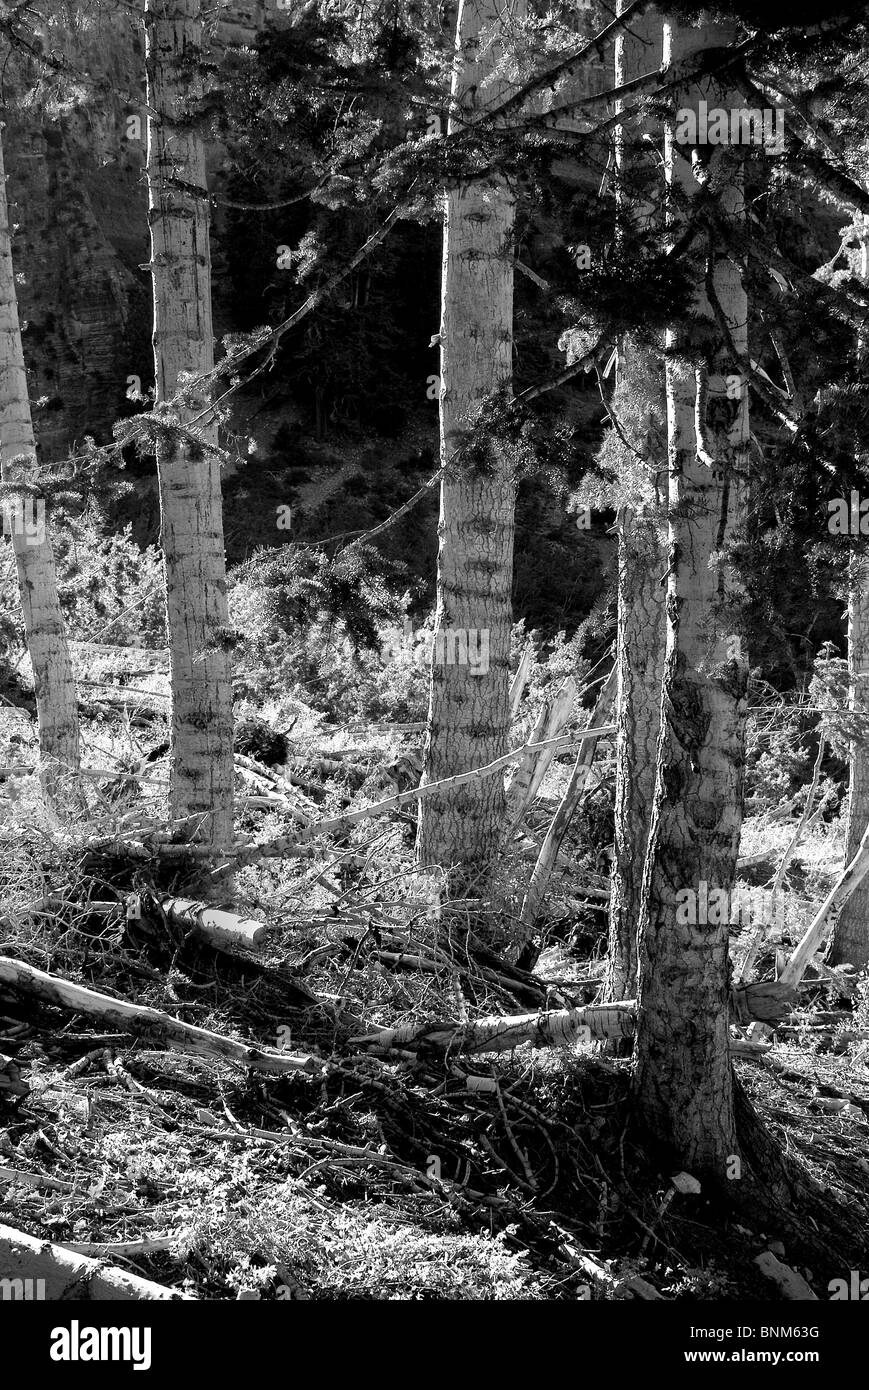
x: 99, y: 1249
x: 338, y: 824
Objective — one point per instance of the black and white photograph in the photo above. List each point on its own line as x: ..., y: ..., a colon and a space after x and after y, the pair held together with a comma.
x: 434, y: 677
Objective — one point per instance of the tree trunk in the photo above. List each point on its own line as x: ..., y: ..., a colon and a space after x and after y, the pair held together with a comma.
x: 849, y: 943
x: 682, y: 1081
x: 201, y: 779
x: 640, y: 642
x: 641, y: 620
x: 56, y: 708
x: 469, y: 709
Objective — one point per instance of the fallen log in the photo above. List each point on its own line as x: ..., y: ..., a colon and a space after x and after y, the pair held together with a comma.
x: 152, y: 1024
x: 219, y: 928
x: 64, y: 1274
x: 224, y: 930
x: 553, y: 1028
x: 548, y: 1028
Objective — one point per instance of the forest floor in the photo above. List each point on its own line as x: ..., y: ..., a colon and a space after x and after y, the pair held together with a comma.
x: 383, y: 1174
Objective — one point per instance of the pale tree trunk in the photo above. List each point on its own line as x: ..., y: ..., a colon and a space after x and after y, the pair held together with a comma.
x: 640, y: 642
x: 56, y: 706
x: 469, y: 714
x: 849, y: 942
x: 641, y: 620
x: 682, y: 1082
x: 201, y: 779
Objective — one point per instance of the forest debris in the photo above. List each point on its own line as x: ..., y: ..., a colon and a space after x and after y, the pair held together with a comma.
x: 153, y: 1024
x: 565, y: 812
x: 285, y: 844
x: 849, y: 879
x: 792, y: 1285
x: 790, y: 850
x: 553, y: 1028
x: 69, y: 1275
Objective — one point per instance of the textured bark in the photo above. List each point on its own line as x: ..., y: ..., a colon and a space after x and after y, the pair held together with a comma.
x: 201, y: 778
x: 640, y: 664
x: 56, y: 708
x: 641, y: 622
x: 682, y: 1078
x: 469, y: 715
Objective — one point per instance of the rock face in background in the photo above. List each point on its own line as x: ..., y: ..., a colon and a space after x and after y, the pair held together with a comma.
x: 77, y: 193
